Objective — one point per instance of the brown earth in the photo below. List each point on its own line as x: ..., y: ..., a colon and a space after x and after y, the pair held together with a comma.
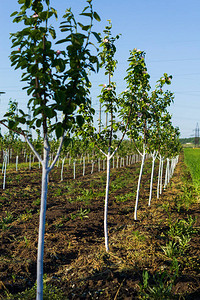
x: 75, y: 259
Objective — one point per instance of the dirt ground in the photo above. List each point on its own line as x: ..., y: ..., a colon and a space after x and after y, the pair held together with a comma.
x: 75, y: 260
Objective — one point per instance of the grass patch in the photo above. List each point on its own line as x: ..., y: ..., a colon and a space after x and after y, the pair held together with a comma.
x: 192, y: 160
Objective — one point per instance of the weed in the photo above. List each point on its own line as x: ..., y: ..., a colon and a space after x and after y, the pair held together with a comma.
x: 27, y: 242
x: 125, y: 197
x: 180, y: 234
x: 159, y: 289
x: 86, y: 196
x: 58, y: 192
x: 80, y: 214
x: 36, y: 202
x: 5, y: 221
x: 25, y: 216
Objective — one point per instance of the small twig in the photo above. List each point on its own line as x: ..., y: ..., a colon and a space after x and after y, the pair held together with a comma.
x: 119, y: 289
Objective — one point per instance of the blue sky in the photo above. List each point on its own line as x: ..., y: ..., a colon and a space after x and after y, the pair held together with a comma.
x: 168, y: 31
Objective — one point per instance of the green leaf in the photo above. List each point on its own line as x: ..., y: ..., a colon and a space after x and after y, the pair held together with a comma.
x: 54, y: 12
x: 96, y: 16
x: 97, y: 36
x: 63, y: 41
x: 28, y: 3
x: 38, y: 122
x: 59, y: 64
x: 80, y: 120
x: 11, y: 124
x: 66, y: 141
x: 14, y: 13
x: 86, y: 14
x: 85, y: 8
x: 59, y: 130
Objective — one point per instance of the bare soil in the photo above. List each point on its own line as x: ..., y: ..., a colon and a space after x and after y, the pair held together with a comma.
x: 75, y: 260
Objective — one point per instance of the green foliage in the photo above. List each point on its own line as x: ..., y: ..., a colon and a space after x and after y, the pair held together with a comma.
x: 192, y: 160
x: 160, y: 288
x: 6, y: 221
x: 81, y: 213
x: 125, y: 197
x: 180, y: 234
x: 56, y: 81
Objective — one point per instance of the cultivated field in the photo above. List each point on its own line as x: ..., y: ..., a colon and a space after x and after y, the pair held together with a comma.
x: 155, y: 257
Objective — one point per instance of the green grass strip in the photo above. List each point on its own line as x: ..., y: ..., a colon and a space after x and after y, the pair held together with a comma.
x: 192, y: 160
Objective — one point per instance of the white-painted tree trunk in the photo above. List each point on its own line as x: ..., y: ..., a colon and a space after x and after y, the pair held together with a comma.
x: 45, y: 173
x: 92, y: 170
x: 16, y: 163
x: 30, y: 162
x: 57, y: 163
x: 62, y: 167
x: 106, y: 202
x: 40, y: 255
x: 117, y: 162
x: 138, y: 186
x: 74, y: 169
x: 99, y: 164
x: 4, y: 175
x: 159, y: 176
x: 103, y: 164
x: 152, y: 173
x: 84, y: 166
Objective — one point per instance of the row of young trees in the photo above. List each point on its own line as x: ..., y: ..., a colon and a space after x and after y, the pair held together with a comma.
x: 58, y: 83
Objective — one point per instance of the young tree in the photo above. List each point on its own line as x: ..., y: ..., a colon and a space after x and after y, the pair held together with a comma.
x: 161, y: 120
x: 146, y: 108
x: 57, y: 83
x: 104, y: 139
x: 137, y: 88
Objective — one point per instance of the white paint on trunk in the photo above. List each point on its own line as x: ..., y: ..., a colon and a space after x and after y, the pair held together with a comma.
x: 106, y: 201
x: 99, y: 164
x: 138, y: 186
x: 152, y: 173
x: 16, y: 163
x: 4, y: 175
x: 62, y: 167
x: 159, y: 171
x: 29, y: 161
x: 45, y: 174
x: 92, y: 170
x: 84, y: 166
x: 40, y: 255
x: 74, y: 169
x: 161, y: 175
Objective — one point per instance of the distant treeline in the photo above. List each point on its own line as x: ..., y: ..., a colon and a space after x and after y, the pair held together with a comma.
x: 187, y: 140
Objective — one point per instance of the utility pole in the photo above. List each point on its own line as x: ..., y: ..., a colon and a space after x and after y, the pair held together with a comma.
x: 196, y: 140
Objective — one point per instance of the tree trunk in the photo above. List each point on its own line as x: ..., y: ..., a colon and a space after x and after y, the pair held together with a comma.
x: 40, y: 255
x: 151, y: 183
x: 106, y: 202
x: 138, y: 187
x: 159, y: 171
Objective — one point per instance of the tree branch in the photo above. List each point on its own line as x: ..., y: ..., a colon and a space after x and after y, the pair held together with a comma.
x: 26, y: 138
x: 33, y: 149
x: 58, y: 153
